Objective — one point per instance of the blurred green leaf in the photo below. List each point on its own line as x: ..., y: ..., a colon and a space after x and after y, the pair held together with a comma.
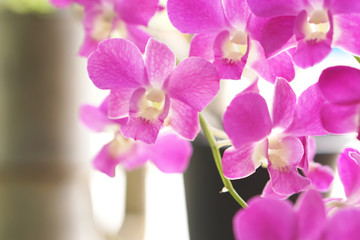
x: 27, y: 6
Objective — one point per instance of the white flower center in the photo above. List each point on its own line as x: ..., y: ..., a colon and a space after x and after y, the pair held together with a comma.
x: 278, y: 153
x: 120, y: 145
x: 236, y: 46
x: 318, y: 25
x: 103, y: 23
x: 151, y: 105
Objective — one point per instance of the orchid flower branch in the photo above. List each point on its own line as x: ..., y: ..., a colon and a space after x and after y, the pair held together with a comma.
x: 217, y: 157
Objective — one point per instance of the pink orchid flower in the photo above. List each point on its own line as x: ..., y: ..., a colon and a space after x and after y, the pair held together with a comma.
x: 274, y: 142
x: 308, y: 28
x: 152, y: 91
x: 340, y: 86
x: 170, y: 153
x: 348, y: 166
x: 222, y: 36
x: 103, y: 17
x: 307, y: 220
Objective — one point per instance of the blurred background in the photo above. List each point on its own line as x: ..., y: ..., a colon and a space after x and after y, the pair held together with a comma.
x: 48, y: 189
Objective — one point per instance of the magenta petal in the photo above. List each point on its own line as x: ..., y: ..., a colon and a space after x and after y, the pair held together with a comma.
x: 119, y: 101
x: 239, y: 163
x: 184, y: 119
x: 195, y: 82
x: 340, y: 85
x: 274, y: 8
x: 343, y: 6
x: 280, y: 65
x: 262, y: 220
x: 138, y: 36
x: 106, y: 163
x: 237, y: 12
x: 268, y: 192
x: 88, y: 46
x: 308, y: 53
x: 287, y: 180
x: 349, y: 171
x: 197, y: 16
x: 311, y: 215
x: 93, y: 118
x: 159, y: 62
x: 139, y: 128
x: 284, y: 104
x: 307, y: 119
x: 340, y: 119
x: 274, y: 34
x: 247, y: 119
x: 61, y: 3
x: 136, y: 11
x: 202, y: 46
x: 117, y: 63
x: 344, y: 224
x: 320, y: 176
x: 170, y: 153
x: 347, y: 30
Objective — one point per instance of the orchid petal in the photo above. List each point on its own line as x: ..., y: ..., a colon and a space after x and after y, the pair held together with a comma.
x: 117, y: 63
x: 308, y: 53
x: 170, y: 153
x: 184, y: 119
x: 202, y: 46
x: 311, y: 215
x: 320, y: 176
x: 93, y: 118
x: 261, y: 220
x: 274, y: 8
x: 138, y: 36
x: 119, y: 102
x: 280, y: 65
x: 237, y: 12
x: 247, y: 119
x: 197, y: 16
x: 242, y: 162
x: 142, y: 129
x: 340, y: 85
x: 268, y: 192
x: 284, y: 104
x: 307, y: 120
x: 347, y: 30
x: 349, y: 171
x: 343, y: 6
x: 194, y: 81
x: 340, y: 119
x: 344, y: 224
x: 136, y: 11
x: 159, y: 62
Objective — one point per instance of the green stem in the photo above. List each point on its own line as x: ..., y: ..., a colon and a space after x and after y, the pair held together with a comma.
x: 217, y: 157
x: 357, y: 58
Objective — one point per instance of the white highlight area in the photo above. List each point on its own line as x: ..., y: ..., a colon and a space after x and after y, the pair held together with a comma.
x: 166, y: 216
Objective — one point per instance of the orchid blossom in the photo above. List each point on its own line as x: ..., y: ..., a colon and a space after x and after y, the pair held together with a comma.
x: 103, y: 17
x: 308, y: 29
x: 274, y: 142
x: 152, y: 91
x: 222, y: 36
x: 170, y: 153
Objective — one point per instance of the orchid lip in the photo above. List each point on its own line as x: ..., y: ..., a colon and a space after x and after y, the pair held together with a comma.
x: 152, y: 103
x: 120, y: 145
x: 103, y: 24
x: 236, y: 46
x: 317, y: 25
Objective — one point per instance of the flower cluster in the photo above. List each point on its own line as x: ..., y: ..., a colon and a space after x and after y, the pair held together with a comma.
x: 155, y: 101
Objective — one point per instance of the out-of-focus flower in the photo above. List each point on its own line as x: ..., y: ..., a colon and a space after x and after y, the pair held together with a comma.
x: 152, y: 90
x: 170, y: 153
x: 222, y: 36
x: 273, y: 142
x: 348, y: 166
x: 308, y: 28
x: 276, y: 219
x: 340, y: 86
x: 103, y: 17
